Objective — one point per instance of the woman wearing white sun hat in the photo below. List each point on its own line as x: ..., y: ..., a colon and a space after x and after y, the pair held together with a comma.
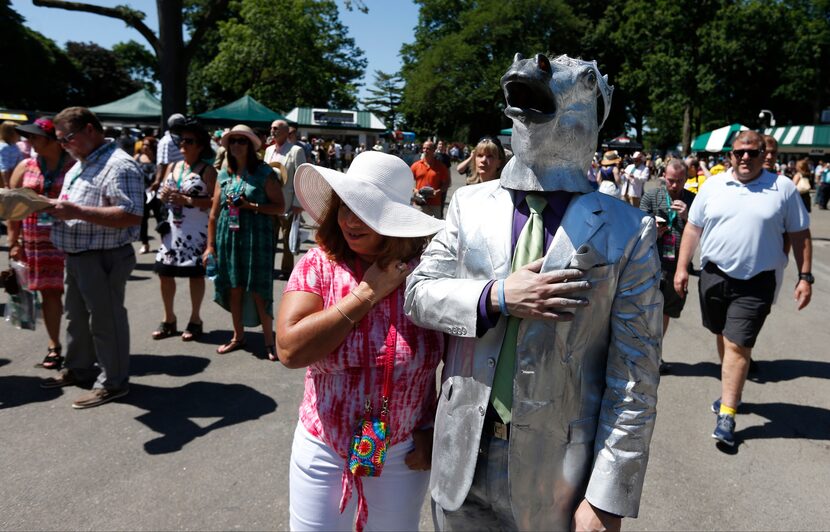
x: 341, y: 306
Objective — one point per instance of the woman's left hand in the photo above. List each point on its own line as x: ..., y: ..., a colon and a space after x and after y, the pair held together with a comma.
x: 420, y: 458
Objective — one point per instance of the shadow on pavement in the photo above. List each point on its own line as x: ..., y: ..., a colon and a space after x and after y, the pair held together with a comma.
x: 148, y: 267
x: 788, y: 369
x: 254, y: 342
x: 170, y: 411
x: 701, y: 369
x: 787, y: 421
x: 173, y: 365
x: 17, y: 390
x: 4, y: 361
x: 768, y: 370
x: 137, y: 278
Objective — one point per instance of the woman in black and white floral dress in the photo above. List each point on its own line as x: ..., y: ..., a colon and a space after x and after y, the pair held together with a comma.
x: 187, y: 190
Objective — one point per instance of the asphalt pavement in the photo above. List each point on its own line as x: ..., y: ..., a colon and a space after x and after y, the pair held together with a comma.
x: 202, y: 441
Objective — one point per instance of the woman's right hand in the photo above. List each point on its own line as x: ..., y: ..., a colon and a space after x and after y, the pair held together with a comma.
x: 382, y: 281
x: 164, y: 193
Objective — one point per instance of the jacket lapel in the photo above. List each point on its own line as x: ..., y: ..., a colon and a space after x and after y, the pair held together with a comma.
x: 581, y: 221
x: 500, y: 211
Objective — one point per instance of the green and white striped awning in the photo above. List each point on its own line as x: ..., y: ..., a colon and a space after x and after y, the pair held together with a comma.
x: 812, y: 140
x: 717, y: 140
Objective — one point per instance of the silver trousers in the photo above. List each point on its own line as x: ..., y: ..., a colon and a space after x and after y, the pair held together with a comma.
x: 487, y: 506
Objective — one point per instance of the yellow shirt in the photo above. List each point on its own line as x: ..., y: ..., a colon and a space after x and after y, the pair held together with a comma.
x: 693, y: 184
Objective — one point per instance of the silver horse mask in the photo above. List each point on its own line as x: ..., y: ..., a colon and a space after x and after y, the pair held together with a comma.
x: 553, y: 105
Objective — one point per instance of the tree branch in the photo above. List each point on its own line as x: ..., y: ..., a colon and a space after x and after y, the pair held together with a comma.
x: 131, y: 17
x: 215, y: 12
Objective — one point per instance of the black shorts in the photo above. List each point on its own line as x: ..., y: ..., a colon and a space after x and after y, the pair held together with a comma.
x: 672, y: 303
x: 735, y: 308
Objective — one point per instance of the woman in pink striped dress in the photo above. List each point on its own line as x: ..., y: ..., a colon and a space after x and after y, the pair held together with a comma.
x: 44, y: 174
x: 342, y: 306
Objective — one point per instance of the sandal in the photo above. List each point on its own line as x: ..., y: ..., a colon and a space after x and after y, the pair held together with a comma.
x: 233, y: 345
x: 271, y: 351
x: 53, y: 359
x: 165, y: 330
x: 192, y: 331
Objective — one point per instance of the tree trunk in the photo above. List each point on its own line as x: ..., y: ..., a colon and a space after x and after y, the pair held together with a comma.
x: 172, y: 60
x: 687, y: 129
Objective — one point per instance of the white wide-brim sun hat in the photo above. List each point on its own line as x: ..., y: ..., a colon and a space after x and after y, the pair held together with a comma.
x: 377, y: 188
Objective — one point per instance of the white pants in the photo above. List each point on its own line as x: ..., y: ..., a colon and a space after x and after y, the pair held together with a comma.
x: 394, y: 499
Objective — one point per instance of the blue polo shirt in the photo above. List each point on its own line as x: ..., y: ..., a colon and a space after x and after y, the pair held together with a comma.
x: 744, y: 224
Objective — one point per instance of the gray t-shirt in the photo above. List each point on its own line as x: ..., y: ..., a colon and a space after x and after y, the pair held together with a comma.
x: 744, y: 224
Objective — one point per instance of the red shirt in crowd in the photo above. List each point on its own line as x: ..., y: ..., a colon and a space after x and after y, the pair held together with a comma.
x: 436, y: 176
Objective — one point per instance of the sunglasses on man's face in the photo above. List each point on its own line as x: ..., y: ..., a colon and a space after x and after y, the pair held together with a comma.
x: 237, y: 140
x: 739, y: 154
x: 67, y: 138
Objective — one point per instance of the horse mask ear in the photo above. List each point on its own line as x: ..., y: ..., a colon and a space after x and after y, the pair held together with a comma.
x: 605, y: 92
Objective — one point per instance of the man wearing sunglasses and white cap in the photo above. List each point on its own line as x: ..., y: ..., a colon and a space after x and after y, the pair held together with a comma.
x: 740, y: 218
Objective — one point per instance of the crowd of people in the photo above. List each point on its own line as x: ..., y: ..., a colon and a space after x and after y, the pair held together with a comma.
x: 372, y: 310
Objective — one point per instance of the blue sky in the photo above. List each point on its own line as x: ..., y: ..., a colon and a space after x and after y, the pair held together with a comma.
x: 380, y: 34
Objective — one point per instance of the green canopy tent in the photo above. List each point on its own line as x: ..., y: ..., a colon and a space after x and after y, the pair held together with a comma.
x: 717, y: 140
x: 139, y: 106
x: 245, y: 110
x: 812, y: 140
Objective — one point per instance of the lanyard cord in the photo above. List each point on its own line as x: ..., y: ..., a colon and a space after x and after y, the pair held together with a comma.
x: 672, y: 214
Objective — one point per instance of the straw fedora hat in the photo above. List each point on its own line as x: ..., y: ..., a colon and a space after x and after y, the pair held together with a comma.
x: 610, y: 158
x: 241, y: 130
x: 18, y: 203
x: 377, y: 187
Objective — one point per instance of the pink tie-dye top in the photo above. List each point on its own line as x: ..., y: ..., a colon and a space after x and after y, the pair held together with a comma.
x: 335, y: 395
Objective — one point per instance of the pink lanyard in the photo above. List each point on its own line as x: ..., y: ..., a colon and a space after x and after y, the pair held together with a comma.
x: 389, y: 354
x: 348, y: 480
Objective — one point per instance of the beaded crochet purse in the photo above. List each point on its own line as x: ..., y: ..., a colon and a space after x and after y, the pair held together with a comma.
x: 369, y: 443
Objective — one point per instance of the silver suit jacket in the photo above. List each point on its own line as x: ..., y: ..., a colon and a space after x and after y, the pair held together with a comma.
x: 585, y: 391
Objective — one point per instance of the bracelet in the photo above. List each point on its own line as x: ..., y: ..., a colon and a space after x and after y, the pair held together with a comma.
x: 365, y: 300
x: 256, y: 207
x: 344, y: 314
x: 502, y: 303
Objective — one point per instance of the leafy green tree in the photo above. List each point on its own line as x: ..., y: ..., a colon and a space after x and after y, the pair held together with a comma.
x: 461, y: 50
x: 287, y: 53
x: 103, y: 79
x: 173, y: 54
x: 806, y: 74
x: 385, y: 97
x: 37, y: 73
x: 138, y: 62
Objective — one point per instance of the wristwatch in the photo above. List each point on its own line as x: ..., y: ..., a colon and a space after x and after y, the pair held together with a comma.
x: 806, y: 277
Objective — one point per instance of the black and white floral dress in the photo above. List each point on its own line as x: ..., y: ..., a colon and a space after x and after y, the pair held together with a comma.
x: 180, y: 253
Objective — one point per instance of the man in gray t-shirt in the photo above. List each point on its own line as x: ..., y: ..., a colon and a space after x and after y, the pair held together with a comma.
x: 740, y: 217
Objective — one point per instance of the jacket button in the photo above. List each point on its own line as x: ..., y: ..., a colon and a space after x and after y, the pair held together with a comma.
x: 491, y: 362
x: 481, y: 410
x: 463, y: 330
